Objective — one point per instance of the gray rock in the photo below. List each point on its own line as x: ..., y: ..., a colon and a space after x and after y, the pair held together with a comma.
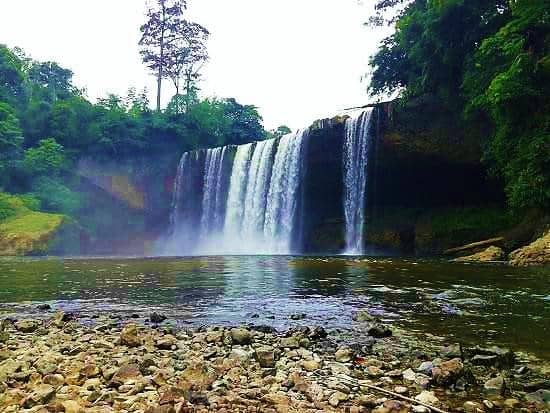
x: 426, y: 367
x: 539, y: 396
x: 290, y: 342
x: 472, y: 407
x: 266, y: 356
x: 241, y: 336
x: 494, y: 386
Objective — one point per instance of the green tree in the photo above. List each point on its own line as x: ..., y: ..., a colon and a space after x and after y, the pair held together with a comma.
x: 10, y: 142
x: 48, y: 158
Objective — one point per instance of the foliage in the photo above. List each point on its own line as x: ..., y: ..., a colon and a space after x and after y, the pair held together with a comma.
x: 485, y: 61
x: 48, y: 158
x: 55, y: 196
x: 47, y: 128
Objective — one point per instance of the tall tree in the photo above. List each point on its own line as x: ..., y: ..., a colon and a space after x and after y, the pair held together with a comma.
x: 49, y: 75
x: 186, y: 59
x: 163, y: 34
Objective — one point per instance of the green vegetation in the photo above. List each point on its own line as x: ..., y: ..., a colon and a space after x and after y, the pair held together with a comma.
x: 48, y: 126
x: 23, y: 230
x: 488, y: 63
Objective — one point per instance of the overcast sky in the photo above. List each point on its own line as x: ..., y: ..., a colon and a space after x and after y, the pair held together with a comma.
x: 297, y: 60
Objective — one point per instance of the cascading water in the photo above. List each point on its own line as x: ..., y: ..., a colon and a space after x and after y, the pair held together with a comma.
x: 247, y: 208
x: 283, y: 191
x: 355, y: 158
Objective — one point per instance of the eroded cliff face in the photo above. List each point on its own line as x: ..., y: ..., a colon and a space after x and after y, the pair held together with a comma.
x: 427, y: 190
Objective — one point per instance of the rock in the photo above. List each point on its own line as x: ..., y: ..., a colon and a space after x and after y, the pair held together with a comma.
x: 420, y: 409
x: 451, y: 351
x: 427, y: 397
x: 511, y: 403
x: 400, y: 390
x: 492, y: 356
x: 317, y: 333
x: 163, y: 408
x: 290, y: 342
x: 472, y: 407
x: 425, y: 367
x: 266, y: 356
x: 157, y: 318
x: 167, y: 342
x: 480, y: 360
x: 311, y: 365
x: 539, y: 396
x: 54, y: 380
x: 129, y: 336
x: 44, y: 307
x: 448, y: 372
x: 8, y: 368
x: 536, y: 253
x: 72, y: 406
x: 494, y: 386
x: 27, y: 326
x: 337, y: 397
x: 241, y: 336
x: 297, y: 316
x: 41, y: 394
x: 379, y: 331
x: 490, y: 254
x: 364, y: 316
x: 409, y: 375
x: 344, y: 354
x: 239, y: 354
x: 374, y: 371
x: 125, y: 374
x: 214, y: 336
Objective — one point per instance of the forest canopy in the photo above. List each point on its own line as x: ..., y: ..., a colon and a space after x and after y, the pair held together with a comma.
x: 486, y: 61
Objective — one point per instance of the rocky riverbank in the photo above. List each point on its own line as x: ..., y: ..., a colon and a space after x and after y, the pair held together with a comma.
x: 63, y: 365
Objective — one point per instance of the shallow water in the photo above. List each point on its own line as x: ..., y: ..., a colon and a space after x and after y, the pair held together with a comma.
x: 473, y: 304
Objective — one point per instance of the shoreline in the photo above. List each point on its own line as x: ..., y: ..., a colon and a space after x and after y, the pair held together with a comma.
x: 65, y: 365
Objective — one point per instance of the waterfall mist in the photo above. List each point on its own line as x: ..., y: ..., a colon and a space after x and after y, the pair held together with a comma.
x: 237, y: 199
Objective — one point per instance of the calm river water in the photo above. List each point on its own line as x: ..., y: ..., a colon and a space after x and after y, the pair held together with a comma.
x: 474, y: 304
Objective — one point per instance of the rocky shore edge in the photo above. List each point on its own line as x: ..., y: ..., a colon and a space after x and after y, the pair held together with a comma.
x: 113, y: 365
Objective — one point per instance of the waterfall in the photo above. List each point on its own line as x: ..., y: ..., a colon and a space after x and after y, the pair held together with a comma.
x: 246, y: 203
x: 237, y: 189
x: 282, y: 197
x: 355, y: 158
x: 212, y: 190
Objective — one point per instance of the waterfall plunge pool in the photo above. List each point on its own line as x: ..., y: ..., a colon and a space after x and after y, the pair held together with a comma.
x: 472, y: 304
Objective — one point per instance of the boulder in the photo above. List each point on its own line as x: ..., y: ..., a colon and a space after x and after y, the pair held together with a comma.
x: 129, y: 336
x: 494, y: 386
x: 379, y: 331
x: 241, y: 336
x: 427, y: 397
x: 344, y: 354
x: 448, y: 372
x: 266, y: 356
x: 536, y: 253
x: 290, y: 342
x: 490, y: 254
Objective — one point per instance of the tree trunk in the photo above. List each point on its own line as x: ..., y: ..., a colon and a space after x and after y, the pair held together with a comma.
x: 161, y: 63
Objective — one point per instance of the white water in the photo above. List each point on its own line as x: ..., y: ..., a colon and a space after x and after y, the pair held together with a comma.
x: 247, y: 208
x: 355, y: 158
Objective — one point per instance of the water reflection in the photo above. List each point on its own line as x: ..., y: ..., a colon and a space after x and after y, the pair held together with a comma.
x: 501, y: 305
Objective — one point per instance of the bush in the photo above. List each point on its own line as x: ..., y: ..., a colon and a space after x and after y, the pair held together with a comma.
x: 55, y: 196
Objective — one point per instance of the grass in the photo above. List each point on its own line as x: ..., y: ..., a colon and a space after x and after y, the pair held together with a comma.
x: 22, y: 230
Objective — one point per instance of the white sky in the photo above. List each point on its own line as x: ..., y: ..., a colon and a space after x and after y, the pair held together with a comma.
x: 297, y: 60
